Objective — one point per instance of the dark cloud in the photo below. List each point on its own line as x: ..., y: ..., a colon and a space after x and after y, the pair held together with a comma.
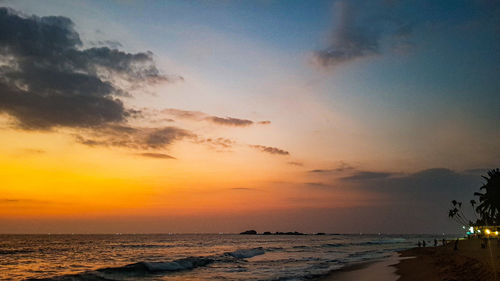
x: 109, y: 43
x: 360, y: 27
x: 437, y: 184
x: 271, y: 150
x: 476, y: 171
x: 48, y: 80
x: 265, y: 122
x: 364, y: 175
x: 156, y: 155
x: 200, y: 116
x: 407, y: 203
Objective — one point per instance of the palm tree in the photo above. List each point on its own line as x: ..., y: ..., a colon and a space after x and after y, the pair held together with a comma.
x: 489, y: 201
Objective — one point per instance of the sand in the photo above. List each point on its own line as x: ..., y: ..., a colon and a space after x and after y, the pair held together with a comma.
x: 381, y: 270
x: 469, y: 263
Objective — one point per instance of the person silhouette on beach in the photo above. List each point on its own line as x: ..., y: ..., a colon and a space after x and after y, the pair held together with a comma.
x: 456, y: 245
x: 419, y: 244
x: 423, y: 243
x: 435, y: 242
x: 444, y: 242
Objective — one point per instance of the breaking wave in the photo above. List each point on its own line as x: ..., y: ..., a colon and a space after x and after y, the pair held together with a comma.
x: 246, y: 253
x: 145, y: 268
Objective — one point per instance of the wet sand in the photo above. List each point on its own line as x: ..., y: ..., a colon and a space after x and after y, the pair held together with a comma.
x: 381, y: 270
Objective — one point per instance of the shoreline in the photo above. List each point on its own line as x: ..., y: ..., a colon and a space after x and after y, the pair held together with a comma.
x: 470, y: 262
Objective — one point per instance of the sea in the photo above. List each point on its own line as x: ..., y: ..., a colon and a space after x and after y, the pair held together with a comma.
x: 192, y: 256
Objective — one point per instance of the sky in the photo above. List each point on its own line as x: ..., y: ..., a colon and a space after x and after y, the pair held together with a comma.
x: 222, y: 116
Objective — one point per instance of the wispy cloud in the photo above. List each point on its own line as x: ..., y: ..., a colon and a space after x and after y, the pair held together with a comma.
x: 22, y: 201
x: 201, y: 116
x: 360, y: 27
x: 156, y: 155
x: 318, y: 184
x: 135, y: 137
x: 366, y: 175
x: 271, y: 150
x: 341, y: 167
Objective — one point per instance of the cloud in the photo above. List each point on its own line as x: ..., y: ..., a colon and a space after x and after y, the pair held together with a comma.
x: 218, y: 142
x: 109, y: 43
x: 229, y: 121
x: 434, y: 187
x: 360, y: 28
x: 294, y: 163
x: 265, y: 122
x: 364, y: 175
x: 156, y: 155
x: 134, y: 137
x: 243, y: 189
x: 318, y: 184
x: 48, y: 80
x: 22, y: 201
x: 271, y: 150
x: 341, y: 167
x: 159, y: 138
x: 476, y: 171
x: 200, y: 116
x: 33, y: 151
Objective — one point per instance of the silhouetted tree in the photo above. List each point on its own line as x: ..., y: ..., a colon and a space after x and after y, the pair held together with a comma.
x: 489, y: 201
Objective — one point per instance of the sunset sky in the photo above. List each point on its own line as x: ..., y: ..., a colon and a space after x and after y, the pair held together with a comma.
x: 222, y: 116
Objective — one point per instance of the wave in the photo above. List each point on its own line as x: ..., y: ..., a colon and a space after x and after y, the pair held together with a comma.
x: 144, y: 268
x: 145, y: 246
x: 85, y: 276
x: 246, y: 253
x: 154, y: 267
x: 335, y: 245
x: 13, y: 252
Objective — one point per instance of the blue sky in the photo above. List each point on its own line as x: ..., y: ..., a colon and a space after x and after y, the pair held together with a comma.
x: 408, y: 90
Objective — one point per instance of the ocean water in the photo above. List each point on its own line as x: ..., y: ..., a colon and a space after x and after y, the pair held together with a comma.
x: 190, y: 256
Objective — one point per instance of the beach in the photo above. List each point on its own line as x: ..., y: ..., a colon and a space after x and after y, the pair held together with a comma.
x: 469, y: 263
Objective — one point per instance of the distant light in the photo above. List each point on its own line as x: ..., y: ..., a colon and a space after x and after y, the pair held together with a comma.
x: 479, y: 231
x: 463, y: 226
x: 487, y: 231
x: 471, y: 229
x: 496, y: 232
